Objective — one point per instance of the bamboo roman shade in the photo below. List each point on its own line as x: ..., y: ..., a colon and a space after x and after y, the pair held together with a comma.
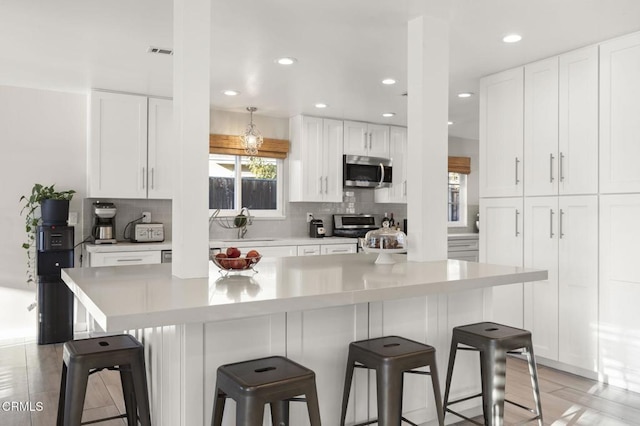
x: 460, y: 165
x: 231, y: 145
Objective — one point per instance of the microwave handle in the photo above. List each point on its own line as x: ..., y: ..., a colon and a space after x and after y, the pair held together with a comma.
x: 381, y: 177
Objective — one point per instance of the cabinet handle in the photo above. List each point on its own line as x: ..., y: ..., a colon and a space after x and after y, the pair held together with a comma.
x: 366, y: 135
x: 370, y: 139
x: 517, y: 216
x: 517, y: 163
x: 561, y: 169
x: 551, y: 158
x: 333, y: 251
x: 405, y: 187
x: 551, y: 223
x: 153, y: 180
x: 561, y: 234
x: 144, y: 176
x: 320, y: 185
x: 129, y: 260
x: 326, y: 185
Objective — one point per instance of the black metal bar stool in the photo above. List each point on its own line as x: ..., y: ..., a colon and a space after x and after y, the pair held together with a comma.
x: 274, y: 380
x: 391, y: 356
x: 82, y: 358
x: 494, y: 342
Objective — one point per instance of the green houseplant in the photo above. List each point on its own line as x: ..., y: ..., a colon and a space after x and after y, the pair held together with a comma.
x: 44, y: 203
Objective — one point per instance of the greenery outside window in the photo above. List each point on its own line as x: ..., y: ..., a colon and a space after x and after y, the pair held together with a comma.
x: 237, y: 181
x: 457, y: 199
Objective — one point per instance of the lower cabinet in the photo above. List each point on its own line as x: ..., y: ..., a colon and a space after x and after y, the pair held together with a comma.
x: 125, y: 258
x: 338, y: 248
x: 463, y: 248
x: 277, y: 251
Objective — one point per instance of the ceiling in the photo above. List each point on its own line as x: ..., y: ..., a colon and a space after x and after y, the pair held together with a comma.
x: 344, y: 49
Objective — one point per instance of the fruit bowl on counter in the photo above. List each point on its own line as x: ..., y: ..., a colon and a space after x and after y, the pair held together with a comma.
x: 232, y: 261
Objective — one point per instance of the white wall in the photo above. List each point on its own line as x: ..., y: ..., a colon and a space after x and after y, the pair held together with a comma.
x: 43, y: 136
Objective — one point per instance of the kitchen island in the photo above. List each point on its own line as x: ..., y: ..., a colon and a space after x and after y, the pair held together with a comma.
x: 307, y: 308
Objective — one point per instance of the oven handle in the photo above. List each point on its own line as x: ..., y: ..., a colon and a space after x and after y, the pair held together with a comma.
x: 382, y: 178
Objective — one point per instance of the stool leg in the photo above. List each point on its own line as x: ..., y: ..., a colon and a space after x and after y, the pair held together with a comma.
x: 249, y: 412
x: 218, y: 408
x: 436, y: 388
x: 389, y: 391
x: 533, y: 372
x: 452, y: 359
x: 74, y: 394
x: 313, y: 407
x: 129, y: 395
x: 348, y: 377
x: 141, y: 390
x: 280, y: 413
x: 493, y: 370
x: 63, y: 385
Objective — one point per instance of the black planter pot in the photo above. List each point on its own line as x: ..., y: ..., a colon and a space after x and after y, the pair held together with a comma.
x: 54, y: 212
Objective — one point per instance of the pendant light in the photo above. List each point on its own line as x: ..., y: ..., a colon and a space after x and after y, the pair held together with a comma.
x: 252, y: 138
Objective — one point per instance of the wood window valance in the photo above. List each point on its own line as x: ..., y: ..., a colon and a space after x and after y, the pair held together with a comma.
x: 460, y: 165
x: 231, y: 145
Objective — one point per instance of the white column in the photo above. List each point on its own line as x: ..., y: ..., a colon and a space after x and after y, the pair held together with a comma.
x: 428, y: 87
x: 191, y: 74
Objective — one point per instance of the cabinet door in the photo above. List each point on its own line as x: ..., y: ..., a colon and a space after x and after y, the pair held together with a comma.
x: 541, y: 252
x: 305, y: 166
x: 312, y: 250
x: 397, y: 193
x: 338, y: 248
x: 578, y: 131
x: 125, y: 258
x: 578, y: 281
x: 501, y: 134
x: 378, y: 140
x: 277, y: 251
x: 356, y: 138
x: 332, y: 160
x: 619, y: 290
x: 541, y: 128
x: 118, y: 146
x: 619, y: 106
x: 501, y: 243
x: 160, y: 148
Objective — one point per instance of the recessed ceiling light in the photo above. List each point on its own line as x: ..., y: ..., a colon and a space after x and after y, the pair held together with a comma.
x: 388, y: 114
x: 321, y: 105
x: 231, y: 92
x: 388, y: 81
x: 512, y: 38
x: 449, y: 123
x: 286, y: 61
x: 465, y: 95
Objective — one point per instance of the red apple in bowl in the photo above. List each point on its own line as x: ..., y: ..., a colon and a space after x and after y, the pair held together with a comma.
x: 233, y: 252
x: 237, y: 263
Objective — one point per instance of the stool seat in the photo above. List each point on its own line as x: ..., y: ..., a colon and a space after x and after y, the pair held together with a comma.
x: 391, y: 357
x: 82, y: 358
x: 272, y: 380
x: 493, y: 341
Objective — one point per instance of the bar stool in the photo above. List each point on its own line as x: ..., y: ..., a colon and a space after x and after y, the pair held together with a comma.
x: 391, y: 356
x: 81, y: 358
x: 494, y: 342
x: 274, y: 380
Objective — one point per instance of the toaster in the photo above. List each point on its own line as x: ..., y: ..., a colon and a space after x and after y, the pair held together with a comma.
x: 148, y: 232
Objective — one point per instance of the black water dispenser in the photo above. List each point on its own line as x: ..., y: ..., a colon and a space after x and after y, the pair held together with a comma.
x: 54, y: 244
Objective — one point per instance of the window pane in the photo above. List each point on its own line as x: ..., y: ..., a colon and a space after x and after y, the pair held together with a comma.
x: 454, y: 197
x: 222, y: 169
x: 259, y: 183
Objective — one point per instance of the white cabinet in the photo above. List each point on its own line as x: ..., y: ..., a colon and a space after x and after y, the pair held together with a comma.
x: 125, y: 258
x: 501, y: 134
x: 619, y: 106
x: 130, y: 146
x: 366, y: 139
x: 315, y: 160
x: 501, y: 242
x: 276, y: 251
x: 463, y: 248
x: 338, y: 248
x: 619, y: 290
x: 312, y: 250
x: 397, y: 193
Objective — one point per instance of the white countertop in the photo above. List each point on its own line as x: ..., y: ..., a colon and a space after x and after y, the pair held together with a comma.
x: 127, y: 246
x: 128, y: 297
x: 273, y: 242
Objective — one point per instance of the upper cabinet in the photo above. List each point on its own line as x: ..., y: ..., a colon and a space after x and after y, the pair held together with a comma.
x: 366, y: 139
x: 501, y: 134
x: 561, y: 124
x: 315, y: 159
x: 129, y: 147
x: 397, y: 192
x: 619, y: 106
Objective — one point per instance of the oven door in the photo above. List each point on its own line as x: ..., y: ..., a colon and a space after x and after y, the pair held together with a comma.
x: 367, y: 172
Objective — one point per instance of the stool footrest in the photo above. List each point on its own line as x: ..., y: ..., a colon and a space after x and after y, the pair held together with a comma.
x: 462, y: 416
x: 370, y: 422
x: 466, y: 398
x: 90, y: 422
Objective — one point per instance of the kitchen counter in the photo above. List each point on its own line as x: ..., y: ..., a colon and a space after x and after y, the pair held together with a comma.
x: 127, y: 246
x: 273, y: 242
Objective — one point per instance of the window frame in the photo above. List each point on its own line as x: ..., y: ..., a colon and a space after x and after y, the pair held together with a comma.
x: 278, y: 213
x: 462, y: 202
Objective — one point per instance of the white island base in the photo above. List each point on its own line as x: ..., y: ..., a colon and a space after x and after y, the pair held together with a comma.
x: 306, y: 308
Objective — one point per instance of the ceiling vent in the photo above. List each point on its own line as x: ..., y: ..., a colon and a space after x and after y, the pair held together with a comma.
x: 159, y: 50
x: 405, y: 94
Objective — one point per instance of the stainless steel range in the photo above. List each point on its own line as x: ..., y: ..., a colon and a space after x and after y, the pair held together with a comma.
x: 354, y: 225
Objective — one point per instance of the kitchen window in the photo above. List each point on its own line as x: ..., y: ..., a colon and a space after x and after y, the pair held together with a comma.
x: 457, y: 199
x: 239, y: 181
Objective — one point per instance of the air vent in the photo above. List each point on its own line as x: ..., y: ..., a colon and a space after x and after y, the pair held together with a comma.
x: 159, y: 50
x: 405, y: 94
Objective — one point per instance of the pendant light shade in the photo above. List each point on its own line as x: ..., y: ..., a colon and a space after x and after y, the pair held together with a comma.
x: 252, y: 138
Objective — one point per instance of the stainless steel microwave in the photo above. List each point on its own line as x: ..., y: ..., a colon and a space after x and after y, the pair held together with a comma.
x: 367, y: 172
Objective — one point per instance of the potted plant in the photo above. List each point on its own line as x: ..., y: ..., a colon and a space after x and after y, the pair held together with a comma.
x: 53, y: 208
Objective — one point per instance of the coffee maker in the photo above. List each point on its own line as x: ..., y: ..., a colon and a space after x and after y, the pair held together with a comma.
x: 104, y: 223
x: 316, y: 228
